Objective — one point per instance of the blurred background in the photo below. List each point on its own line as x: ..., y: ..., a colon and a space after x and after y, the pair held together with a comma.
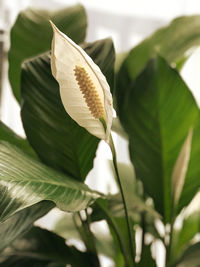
x: 127, y: 22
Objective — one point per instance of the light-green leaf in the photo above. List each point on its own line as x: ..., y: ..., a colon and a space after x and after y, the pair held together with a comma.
x: 171, y: 42
x: 31, y: 35
x: 25, y: 181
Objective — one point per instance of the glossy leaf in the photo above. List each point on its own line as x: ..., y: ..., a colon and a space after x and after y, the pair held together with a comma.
x: 21, y: 222
x: 171, y: 42
x: 157, y: 116
x: 31, y: 35
x: 25, y: 181
x: 40, y: 247
x: 56, y: 138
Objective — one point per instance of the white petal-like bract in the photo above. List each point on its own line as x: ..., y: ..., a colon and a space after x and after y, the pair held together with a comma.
x: 69, y: 63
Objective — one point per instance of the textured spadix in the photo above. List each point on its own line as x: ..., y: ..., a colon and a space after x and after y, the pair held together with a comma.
x: 84, y: 90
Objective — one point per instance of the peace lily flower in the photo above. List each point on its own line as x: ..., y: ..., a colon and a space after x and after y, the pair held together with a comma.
x: 84, y: 90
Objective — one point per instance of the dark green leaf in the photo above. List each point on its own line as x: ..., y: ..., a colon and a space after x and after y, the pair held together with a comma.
x: 40, y: 247
x: 157, y: 116
x: 171, y: 42
x: 21, y: 222
x: 32, y: 33
x: 57, y: 139
x: 103, y: 54
x: 25, y: 181
x: 146, y: 258
x: 6, y: 134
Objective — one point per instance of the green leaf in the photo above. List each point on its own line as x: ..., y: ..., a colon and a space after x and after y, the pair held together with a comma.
x: 157, y: 116
x: 25, y: 181
x: 134, y: 201
x: 6, y: 134
x: 182, y: 237
x: 21, y: 222
x: 103, y: 54
x: 39, y: 248
x: 171, y: 42
x: 146, y: 258
x: 191, y: 257
x: 31, y: 35
x: 58, y: 140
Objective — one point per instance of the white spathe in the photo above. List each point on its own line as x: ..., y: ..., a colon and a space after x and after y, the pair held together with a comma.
x: 65, y: 56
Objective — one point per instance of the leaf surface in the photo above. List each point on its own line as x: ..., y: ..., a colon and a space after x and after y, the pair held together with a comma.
x: 31, y: 35
x: 25, y: 181
x: 58, y: 140
x: 157, y: 116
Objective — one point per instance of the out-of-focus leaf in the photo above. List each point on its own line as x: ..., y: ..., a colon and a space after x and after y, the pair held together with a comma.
x: 66, y: 228
x: 157, y: 116
x: 192, y: 181
x: 25, y: 181
x: 116, y: 127
x: 57, y: 139
x: 39, y: 248
x: 180, y: 168
x: 146, y: 258
x: 182, y: 237
x: 6, y: 134
x: 118, y: 227
x: 181, y: 62
x: 170, y: 42
x: 191, y: 257
x: 134, y: 201
x: 31, y: 35
x: 21, y: 222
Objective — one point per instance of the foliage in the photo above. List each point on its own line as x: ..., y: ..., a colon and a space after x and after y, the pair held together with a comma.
x: 156, y: 113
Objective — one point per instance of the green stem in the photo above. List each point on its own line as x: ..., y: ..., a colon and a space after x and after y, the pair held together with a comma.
x: 88, y: 239
x: 112, y: 147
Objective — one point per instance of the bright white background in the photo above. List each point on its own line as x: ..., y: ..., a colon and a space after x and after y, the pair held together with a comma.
x: 127, y: 22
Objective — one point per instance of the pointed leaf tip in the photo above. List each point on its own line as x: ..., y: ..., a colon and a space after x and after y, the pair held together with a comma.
x: 66, y: 58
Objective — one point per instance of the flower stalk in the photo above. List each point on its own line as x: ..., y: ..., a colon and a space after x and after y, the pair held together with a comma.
x: 114, y: 154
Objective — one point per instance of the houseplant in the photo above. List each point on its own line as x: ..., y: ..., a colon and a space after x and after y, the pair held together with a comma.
x: 160, y: 119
